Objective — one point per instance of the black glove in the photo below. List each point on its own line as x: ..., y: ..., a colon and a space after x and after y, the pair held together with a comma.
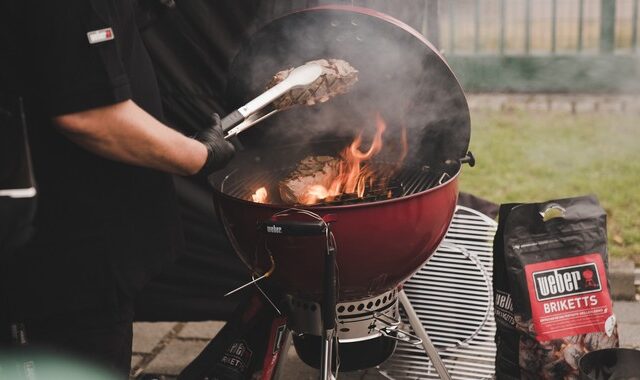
x: 219, y: 150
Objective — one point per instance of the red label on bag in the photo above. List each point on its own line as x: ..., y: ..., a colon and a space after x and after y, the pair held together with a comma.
x: 569, y: 297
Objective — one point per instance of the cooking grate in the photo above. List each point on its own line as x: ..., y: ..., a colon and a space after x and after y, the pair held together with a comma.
x: 452, y: 295
x: 402, y: 182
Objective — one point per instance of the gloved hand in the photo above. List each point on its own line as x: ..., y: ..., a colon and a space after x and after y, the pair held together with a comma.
x: 219, y: 150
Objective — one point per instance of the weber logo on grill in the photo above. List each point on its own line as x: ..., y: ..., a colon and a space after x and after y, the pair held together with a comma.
x: 274, y: 229
x: 562, y: 282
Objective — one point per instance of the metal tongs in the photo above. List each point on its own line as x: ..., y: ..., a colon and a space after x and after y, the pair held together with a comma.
x: 257, y: 110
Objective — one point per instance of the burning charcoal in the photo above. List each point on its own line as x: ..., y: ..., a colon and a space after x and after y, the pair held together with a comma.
x: 575, y: 339
x: 598, y: 341
x: 572, y: 354
x: 528, y: 358
x: 524, y: 326
x: 337, y: 78
x: 558, y: 370
x: 310, y: 172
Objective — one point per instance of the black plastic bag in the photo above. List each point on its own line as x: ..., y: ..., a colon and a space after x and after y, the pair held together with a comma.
x: 551, y: 293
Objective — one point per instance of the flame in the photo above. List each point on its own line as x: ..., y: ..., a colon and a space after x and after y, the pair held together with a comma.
x: 353, y: 176
x: 260, y: 196
x: 354, y: 173
x: 314, y: 194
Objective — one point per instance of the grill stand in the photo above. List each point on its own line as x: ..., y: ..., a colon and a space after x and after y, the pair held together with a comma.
x: 329, y: 314
x: 280, y: 225
x: 327, y: 352
x: 419, y: 330
x: 329, y: 304
x: 329, y: 339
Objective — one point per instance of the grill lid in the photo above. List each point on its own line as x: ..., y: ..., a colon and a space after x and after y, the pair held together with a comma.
x: 400, y: 75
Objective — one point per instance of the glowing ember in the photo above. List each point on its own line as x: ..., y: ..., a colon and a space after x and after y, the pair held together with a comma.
x: 314, y: 194
x: 260, y: 196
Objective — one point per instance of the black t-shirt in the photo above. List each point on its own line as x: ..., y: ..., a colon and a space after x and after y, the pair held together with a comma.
x: 103, y: 227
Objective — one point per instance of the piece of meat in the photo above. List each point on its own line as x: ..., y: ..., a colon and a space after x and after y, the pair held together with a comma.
x: 337, y: 78
x: 313, y: 170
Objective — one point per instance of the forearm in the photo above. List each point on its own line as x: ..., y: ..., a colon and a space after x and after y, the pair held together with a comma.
x: 125, y: 132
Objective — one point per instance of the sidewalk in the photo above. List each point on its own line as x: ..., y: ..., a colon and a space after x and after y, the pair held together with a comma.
x: 165, y: 348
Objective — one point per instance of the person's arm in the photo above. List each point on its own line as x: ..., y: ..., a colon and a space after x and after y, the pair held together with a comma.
x: 125, y: 132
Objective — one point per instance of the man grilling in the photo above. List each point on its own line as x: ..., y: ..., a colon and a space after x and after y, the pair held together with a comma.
x: 107, y: 217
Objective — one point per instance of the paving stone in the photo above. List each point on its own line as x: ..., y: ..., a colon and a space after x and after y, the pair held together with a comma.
x: 294, y: 368
x: 562, y: 104
x: 629, y: 334
x: 609, y: 105
x: 135, y: 359
x: 202, y: 330
x: 175, y: 357
x: 538, y: 103
x: 621, y: 279
x: 574, y: 103
x: 496, y: 102
x: 632, y: 104
x: 476, y: 102
x: 146, y: 335
x: 514, y: 105
x: 585, y: 104
x: 627, y: 311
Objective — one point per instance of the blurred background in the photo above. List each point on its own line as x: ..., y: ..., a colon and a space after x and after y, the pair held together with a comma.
x: 521, y: 45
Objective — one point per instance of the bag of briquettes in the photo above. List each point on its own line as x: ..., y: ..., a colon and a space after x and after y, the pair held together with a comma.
x: 551, y: 294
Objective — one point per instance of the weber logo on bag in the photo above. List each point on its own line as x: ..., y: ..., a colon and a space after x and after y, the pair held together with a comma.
x: 567, y: 297
x: 566, y: 281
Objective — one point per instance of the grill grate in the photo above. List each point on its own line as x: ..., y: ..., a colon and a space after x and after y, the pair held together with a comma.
x: 459, y: 321
x: 405, y: 181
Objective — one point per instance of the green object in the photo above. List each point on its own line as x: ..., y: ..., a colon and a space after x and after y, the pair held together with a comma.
x: 554, y: 25
x: 548, y: 73
x: 634, y: 26
x: 580, y: 25
x: 607, y: 25
x: 41, y: 365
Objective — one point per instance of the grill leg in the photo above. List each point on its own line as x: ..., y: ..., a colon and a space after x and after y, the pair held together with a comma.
x: 326, y: 358
x: 429, y: 348
x: 284, y: 351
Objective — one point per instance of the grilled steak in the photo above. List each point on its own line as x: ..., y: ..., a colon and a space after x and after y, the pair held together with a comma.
x: 337, y: 78
x: 313, y: 170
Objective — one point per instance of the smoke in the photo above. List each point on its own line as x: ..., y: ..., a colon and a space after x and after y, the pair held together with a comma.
x: 399, y: 77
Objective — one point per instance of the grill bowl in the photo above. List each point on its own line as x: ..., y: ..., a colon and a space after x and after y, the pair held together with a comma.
x: 380, y: 244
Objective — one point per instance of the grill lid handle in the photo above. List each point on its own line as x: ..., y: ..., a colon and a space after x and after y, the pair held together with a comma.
x: 293, y: 228
x: 468, y: 159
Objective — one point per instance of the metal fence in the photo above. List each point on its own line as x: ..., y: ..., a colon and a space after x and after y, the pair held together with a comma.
x: 539, y: 27
x: 512, y: 26
x: 523, y: 45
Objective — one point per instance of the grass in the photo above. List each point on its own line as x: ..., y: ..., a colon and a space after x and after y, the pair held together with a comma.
x: 526, y: 156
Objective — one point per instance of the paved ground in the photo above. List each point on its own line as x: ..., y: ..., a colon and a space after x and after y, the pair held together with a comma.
x: 165, y: 348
